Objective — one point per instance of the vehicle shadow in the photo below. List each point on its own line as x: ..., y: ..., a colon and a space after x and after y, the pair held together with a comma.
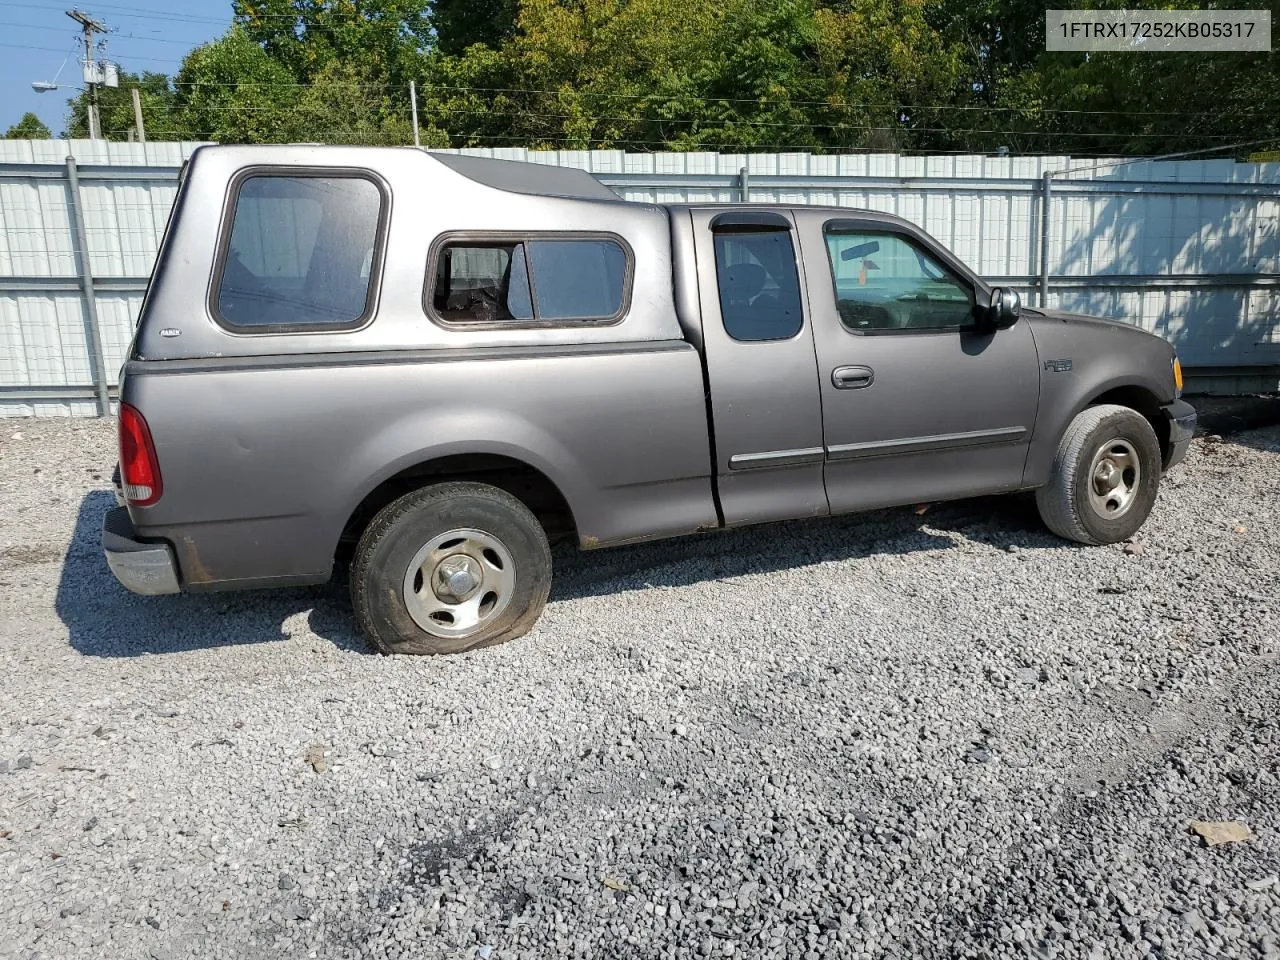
x: 1003, y: 521
x: 103, y: 619
x: 1235, y: 419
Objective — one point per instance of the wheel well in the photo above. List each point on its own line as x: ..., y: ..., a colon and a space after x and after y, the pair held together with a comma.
x: 532, y: 487
x: 1144, y: 402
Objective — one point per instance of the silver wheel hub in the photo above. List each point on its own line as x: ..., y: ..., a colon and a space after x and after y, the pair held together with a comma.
x: 1115, y: 475
x: 457, y: 577
x: 458, y: 582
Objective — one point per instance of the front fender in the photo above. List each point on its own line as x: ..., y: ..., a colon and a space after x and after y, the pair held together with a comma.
x: 1102, y: 358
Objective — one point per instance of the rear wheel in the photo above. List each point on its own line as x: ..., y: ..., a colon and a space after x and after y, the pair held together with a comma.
x: 1104, y: 478
x: 450, y: 567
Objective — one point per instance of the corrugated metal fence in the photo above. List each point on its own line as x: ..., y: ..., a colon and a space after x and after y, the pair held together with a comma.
x: 1187, y: 249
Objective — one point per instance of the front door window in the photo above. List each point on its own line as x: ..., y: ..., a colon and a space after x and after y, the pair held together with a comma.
x: 883, y: 282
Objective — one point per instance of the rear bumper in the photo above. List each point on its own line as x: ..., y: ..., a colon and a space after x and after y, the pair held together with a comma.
x: 1182, y: 427
x: 145, y: 568
x: 116, y: 487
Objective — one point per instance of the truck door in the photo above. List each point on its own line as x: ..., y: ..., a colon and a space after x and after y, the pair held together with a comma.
x: 919, y: 402
x: 758, y: 343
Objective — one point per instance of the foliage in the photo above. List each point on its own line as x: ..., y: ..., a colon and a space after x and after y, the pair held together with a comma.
x: 458, y: 24
x: 381, y: 37
x: 232, y: 91
x: 743, y: 74
x: 343, y: 106
x: 732, y: 75
x: 30, y: 127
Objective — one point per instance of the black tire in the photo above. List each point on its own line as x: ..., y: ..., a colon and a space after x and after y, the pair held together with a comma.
x: 404, y: 528
x: 1072, y: 505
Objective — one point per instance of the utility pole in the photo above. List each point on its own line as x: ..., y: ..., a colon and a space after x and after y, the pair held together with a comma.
x: 89, y: 27
x: 137, y: 115
x: 413, y: 106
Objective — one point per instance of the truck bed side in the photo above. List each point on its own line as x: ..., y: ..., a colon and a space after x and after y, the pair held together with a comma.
x: 618, y: 430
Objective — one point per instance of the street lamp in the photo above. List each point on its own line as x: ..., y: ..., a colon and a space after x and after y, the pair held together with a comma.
x: 97, y: 73
x: 44, y: 86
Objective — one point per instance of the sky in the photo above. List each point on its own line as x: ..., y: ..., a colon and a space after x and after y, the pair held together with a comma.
x: 37, y: 35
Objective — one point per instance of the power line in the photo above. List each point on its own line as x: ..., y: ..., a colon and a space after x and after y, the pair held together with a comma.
x: 120, y: 11
x: 139, y: 13
x: 293, y: 86
x: 824, y: 103
x: 124, y: 36
x: 712, y: 123
x: 23, y: 46
x: 562, y: 138
x: 833, y: 104
x: 532, y: 143
x: 939, y: 108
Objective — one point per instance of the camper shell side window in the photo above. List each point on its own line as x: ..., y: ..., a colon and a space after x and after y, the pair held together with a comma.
x: 488, y: 281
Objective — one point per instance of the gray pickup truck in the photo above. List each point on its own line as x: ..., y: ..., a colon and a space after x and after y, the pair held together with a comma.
x: 423, y: 368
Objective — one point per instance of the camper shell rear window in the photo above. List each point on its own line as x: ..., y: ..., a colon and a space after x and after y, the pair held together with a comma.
x: 301, y: 250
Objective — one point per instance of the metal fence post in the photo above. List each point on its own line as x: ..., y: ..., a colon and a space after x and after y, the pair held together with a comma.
x: 97, y: 361
x: 744, y: 185
x: 1044, y: 239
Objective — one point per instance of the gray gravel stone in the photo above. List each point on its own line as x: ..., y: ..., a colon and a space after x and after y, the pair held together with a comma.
x: 872, y: 737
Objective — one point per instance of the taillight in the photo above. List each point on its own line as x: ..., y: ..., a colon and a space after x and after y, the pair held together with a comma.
x: 139, y: 468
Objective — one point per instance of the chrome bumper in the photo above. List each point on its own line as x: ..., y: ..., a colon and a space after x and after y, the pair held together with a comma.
x: 146, y: 568
x: 1182, y: 427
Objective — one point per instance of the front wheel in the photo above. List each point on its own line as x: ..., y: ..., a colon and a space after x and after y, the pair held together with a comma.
x: 450, y: 567
x: 1104, y: 478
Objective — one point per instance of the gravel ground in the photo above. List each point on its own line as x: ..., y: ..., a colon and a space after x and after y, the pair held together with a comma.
x: 946, y: 735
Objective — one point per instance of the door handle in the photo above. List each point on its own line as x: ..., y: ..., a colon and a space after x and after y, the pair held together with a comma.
x: 852, y: 378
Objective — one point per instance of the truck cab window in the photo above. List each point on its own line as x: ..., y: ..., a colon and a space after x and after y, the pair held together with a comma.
x: 884, y: 282
x: 759, y: 287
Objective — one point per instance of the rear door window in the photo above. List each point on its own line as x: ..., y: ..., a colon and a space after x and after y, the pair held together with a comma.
x: 759, y: 286
x: 301, y: 253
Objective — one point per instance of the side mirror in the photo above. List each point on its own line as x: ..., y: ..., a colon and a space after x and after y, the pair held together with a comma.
x: 1005, y: 309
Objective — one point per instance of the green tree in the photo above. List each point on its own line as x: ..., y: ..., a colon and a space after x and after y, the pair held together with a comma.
x: 743, y: 74
x: 342, y: 106
x: 997, y: 38
x: 30, y: 127
x: 1103, y: 103
x: 458, y: 24
x: 1155, y: 103
x: 384, y: 37
x: 231, y: 91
